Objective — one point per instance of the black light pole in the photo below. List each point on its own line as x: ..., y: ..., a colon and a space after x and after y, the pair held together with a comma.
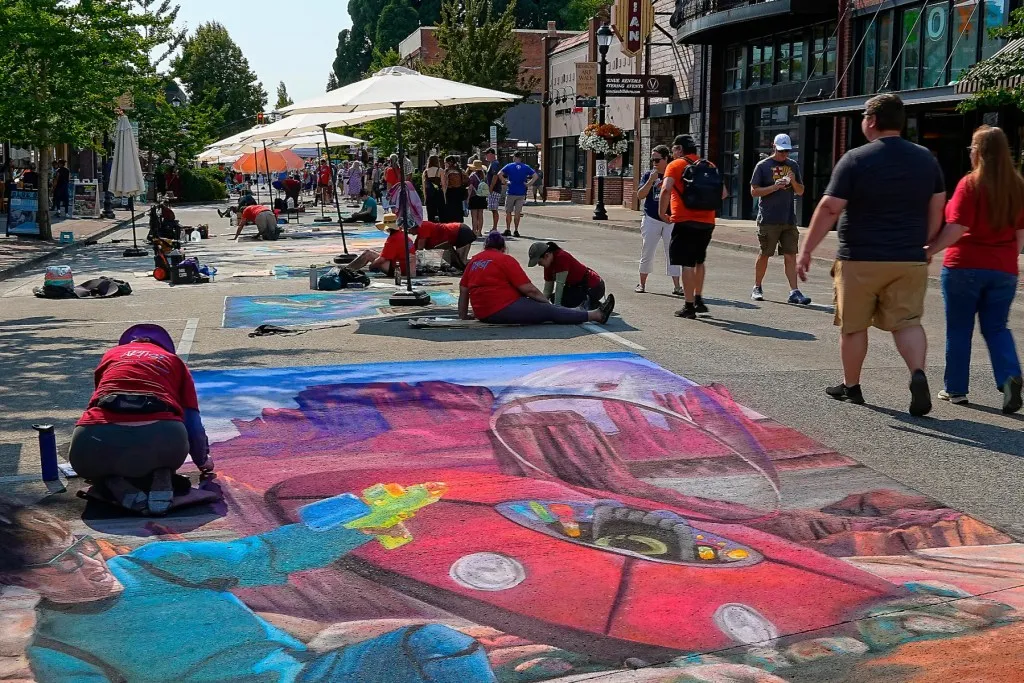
x: 266, y: 163
x: 604, y: 41
x: 408, y: 297
x: 340, y: 259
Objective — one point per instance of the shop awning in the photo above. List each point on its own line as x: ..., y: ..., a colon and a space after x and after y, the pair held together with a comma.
x: 1001, y: 70
x: 946, y: 94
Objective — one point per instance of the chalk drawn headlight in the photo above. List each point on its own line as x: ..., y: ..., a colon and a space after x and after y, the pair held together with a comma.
x: 487, y: 572
x: 745, y: 624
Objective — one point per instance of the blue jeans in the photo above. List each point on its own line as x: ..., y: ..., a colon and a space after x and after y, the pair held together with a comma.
x: 987, y: 295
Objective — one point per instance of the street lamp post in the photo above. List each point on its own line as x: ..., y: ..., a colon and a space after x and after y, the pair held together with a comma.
x: 604, y: 41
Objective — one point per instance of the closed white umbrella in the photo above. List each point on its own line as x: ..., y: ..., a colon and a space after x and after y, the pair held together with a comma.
x: 126, y: 178
x: 397, y: 87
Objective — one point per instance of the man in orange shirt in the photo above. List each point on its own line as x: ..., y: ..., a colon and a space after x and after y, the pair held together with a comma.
x: 692, y: 229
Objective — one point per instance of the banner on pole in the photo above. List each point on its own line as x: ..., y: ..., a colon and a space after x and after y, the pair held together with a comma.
x: 586, y: 79
x: 634, y: 21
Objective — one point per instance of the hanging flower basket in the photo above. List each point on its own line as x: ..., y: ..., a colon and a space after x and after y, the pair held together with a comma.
x: 607, y: 139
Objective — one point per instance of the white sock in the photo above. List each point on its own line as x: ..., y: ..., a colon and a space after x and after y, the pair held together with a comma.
x: 793, y: 291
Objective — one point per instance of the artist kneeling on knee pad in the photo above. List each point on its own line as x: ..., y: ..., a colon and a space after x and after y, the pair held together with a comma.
x: 143, y: 418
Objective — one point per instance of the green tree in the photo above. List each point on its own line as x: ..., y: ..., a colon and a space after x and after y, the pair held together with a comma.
x: 429, y: 11
x: 481, y: 49
x: 214, y: 70
x: 397, y: 20
x: 169, y: 132
x: 332, y: 81
x: 282, y: 96
x: 62, y: 67
x: 575, y: 14
x: 1000, y: 77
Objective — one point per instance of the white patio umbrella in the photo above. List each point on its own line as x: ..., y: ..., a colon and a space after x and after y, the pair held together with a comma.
x: 300, y: 124
x: 397, y: 87
x: 313, y: 140
x: 126, y: 178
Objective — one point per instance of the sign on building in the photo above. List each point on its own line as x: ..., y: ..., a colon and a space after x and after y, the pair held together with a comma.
x: 623, y: 85
x: 634, y: 21
x: 586, y: 79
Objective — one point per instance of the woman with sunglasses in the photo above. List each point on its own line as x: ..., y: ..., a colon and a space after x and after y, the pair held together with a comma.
x: 652, y: 228
x: 983, y: 236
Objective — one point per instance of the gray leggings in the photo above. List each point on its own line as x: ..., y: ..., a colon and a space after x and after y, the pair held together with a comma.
x: 530, y: 312
x: 105, y: 450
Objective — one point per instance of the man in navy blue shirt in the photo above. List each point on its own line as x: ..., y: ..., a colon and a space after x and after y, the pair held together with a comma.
x: 519, y: 176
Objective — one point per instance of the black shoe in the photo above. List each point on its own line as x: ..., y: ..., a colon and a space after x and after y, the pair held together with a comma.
x: 507, y: 233
x: 516, y: 234
x: 920, y: 395
x: 698, y: 304
x: 606, y: 308
x: 688, y: 311
x: 844, y: 393
x: 161, y: 492
x: 1012, y: 401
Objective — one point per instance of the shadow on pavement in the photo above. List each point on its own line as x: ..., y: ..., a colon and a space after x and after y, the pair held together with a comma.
x: 957, y: 431
x: 399, y: 327
x: 754, y: 330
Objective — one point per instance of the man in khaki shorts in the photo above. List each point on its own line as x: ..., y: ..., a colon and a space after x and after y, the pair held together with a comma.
x: 776, y: 182
x: 891, y: 195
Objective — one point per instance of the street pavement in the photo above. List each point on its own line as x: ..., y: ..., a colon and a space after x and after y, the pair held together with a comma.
x: 772, y: 357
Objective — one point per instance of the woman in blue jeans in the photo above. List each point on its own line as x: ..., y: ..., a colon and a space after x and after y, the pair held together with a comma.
x: 984, y: 233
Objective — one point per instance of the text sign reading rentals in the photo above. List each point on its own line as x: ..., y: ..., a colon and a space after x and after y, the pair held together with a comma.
x: 622, y: 85
x: 634, y: 20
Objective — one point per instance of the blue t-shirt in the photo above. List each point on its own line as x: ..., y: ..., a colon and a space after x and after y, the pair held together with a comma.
x: 517, y: 174
x: 369, y: 205
x: 494, y: 169
x: 653, y: 197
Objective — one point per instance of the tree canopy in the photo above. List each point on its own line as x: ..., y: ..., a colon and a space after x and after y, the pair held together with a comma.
x: 282, y: 96
x: 64, y: 65
x: 214, y: 70
x: 1001, y: 76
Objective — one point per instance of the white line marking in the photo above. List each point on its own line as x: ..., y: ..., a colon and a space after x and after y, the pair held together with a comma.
x: 187, y: 337
x: 5, y: 328
x: 594, y: 328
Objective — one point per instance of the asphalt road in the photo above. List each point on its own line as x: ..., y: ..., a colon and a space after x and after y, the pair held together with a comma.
x: 773, y: 357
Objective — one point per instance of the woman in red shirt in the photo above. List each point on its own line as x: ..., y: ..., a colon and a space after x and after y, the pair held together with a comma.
x: 567, y: 282
x: 391, y: 259
x: 984, y: 233
x: 454, y: 238
x: 501, y: 293
x: 142, y: 420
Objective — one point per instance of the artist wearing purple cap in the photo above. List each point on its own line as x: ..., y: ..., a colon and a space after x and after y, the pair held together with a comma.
x: 500, y: 292
x: 142, y: 420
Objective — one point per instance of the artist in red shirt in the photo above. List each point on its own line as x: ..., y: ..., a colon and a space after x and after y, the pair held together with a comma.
x: 325, y: 182
x: 142, y: 420
x: 454, y: 238
x: 292, y: 187
x: 262, y: 217
x: 567, y: 282
x: 984, y: 233
x: 501, y: 293
x: 391, y: 259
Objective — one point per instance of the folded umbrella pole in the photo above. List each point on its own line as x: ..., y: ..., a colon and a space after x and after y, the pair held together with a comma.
x: 126, y: 179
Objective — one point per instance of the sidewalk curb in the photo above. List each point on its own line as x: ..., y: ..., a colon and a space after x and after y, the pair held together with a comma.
x: 60, y: 251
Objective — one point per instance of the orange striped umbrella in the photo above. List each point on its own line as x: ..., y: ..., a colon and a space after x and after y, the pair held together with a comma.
x: 285, y: 160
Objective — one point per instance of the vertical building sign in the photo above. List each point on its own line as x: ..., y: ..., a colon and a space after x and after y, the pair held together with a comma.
x: 634, y: 21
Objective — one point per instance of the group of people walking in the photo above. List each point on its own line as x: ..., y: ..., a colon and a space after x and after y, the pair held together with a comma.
x: 888, y: 198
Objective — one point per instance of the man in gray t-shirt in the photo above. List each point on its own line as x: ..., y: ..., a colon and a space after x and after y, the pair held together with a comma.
x: 777, y: 183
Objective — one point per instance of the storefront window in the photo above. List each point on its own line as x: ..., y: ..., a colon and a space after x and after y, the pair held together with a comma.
x: 884, y: 51
x: 790, y: 63
x: 734, y: 68
x: 757, y: 66
x: 732, y: 162
x: 869, y: 57
x: 936, y: 43
x: 557, y: 161
x: 911, y: 58
x: 966, y: 17
x: 824, y: 59
x: 797, y: 70
x: 995, y: 15
x: 783, y: 63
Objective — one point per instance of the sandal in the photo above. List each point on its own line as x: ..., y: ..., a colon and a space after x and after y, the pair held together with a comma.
x: 640, y: 289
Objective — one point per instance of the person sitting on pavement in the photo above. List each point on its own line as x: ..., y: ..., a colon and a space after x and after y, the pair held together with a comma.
x: 263, y: 218
x: 500, y: 292
x: 391, y: 259
x: 245, y: 199
x: 367, y: 213
x: 454, y: 238
x: 143, y: 419
x: 567, y: 282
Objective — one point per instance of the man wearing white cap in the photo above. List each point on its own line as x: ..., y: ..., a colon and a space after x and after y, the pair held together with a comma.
x: 777, y: 182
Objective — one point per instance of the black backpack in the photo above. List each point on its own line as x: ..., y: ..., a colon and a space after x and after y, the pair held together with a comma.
x: 702, y: 186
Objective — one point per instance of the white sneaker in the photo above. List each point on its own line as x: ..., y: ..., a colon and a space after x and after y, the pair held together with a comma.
x: 956, y: 399
x: 757, y: 294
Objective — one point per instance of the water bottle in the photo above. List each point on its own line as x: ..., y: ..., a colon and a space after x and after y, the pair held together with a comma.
x: 48, y: 452
x: 314, y: 277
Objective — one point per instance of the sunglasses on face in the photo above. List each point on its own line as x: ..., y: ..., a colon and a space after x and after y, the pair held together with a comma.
x: 656, y: 160
x: 72, y: 559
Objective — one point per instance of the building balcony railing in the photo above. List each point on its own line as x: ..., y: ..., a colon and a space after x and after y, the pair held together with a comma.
x: 710, y: 21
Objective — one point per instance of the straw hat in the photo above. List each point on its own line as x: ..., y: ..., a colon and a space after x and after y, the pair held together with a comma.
x: 477, y: 165
x: 389, y: 223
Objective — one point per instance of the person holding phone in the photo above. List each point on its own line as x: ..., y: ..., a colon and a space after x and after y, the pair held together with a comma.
x: 652, y: 228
